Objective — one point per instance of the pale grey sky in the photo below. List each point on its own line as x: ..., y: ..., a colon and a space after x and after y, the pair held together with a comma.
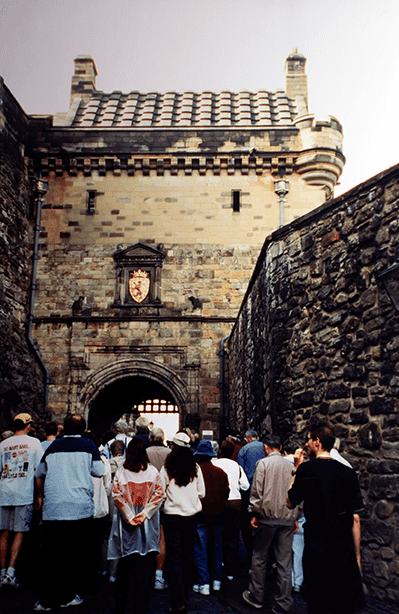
x: 351, y: 46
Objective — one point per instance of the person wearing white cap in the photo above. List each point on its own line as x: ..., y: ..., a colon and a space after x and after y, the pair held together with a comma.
x: 184, y: 488
x: 20, y: 454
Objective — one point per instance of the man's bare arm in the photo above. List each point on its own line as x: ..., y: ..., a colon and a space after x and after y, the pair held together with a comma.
x: 39, y: 493
x: 356, y: 538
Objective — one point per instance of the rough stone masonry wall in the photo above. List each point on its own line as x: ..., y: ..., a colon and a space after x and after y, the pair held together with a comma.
x: 21, y: 381
x: 317, y: 336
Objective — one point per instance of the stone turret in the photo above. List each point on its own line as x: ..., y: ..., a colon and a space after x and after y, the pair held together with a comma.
x: 297, y: 81
x: 84, y: 79
x: 321, y: 161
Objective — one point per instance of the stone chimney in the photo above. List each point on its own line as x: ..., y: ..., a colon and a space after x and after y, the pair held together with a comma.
x: 297, y: 81
x: 84, y: 79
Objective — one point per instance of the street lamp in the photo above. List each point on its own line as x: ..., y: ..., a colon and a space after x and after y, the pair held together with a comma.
x: 39, y: 186
x: 390, y: 279
x: 281, y: 189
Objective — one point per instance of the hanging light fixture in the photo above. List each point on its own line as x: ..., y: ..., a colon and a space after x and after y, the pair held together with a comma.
x: 390, y: 279
x: 281, y: 187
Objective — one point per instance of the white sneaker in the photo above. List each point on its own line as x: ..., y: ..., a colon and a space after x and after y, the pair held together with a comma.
x: 38, y: 607
x: 205, y: 589
x: 216, y: 585
x: 77, y: 600
x: 11, y: 581
x: 160, y: 584
x: 112, y: 579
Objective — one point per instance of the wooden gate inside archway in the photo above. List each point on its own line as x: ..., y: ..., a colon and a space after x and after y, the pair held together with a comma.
x: 131, y: 396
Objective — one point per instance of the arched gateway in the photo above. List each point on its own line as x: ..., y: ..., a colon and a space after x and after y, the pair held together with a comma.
x: 131, y: 387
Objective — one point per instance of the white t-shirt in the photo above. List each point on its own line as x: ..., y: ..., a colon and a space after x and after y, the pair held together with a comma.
x: 183, y: 500
x: 236, y: 474
x: 19, y: 457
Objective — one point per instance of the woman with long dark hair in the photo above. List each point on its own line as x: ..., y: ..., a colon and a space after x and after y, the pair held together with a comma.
x: 184, y: 487
x: 134, y: 538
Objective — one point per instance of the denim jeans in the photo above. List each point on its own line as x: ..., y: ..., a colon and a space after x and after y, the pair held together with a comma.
x: 298, y: 544
x: 208, y: 551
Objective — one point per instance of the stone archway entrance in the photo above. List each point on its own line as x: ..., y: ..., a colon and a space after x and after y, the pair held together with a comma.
x: 132, y: 387
x: 129, y: 397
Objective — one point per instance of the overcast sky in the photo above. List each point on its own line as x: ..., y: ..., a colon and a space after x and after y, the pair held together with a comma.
x: 352, y: 50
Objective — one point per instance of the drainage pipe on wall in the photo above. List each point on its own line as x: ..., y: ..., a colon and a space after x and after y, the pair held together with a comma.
x: 40, y: 190
x: 221, y: 355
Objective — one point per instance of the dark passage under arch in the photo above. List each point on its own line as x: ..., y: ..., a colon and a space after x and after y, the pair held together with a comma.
x: 122, y: 397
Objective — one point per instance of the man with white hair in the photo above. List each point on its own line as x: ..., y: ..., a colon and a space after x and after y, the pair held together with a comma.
x: 120, y: 429
x: 143, y: 429
x: 157, y: 451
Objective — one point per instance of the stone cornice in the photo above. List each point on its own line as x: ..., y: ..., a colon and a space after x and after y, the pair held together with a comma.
x: 38, y: 320
x: 159, y: 165
x: 314, y: 164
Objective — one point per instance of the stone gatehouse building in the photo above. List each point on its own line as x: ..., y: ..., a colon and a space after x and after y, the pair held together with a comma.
x: 154, y: 214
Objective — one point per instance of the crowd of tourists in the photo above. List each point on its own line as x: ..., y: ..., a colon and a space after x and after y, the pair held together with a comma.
x: 144, y: 515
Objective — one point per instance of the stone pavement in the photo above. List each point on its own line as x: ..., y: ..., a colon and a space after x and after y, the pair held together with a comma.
x: 228, y: 601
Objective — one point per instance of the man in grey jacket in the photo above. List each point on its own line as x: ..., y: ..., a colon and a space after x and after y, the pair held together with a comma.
x: 273, y: 525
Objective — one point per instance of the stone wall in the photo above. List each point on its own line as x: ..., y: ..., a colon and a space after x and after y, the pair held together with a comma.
x: 178, y: 335
x: 21, y: 380
x: 317, y: 335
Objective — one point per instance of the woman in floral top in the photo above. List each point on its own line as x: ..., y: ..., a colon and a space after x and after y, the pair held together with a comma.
x: 134, y: 538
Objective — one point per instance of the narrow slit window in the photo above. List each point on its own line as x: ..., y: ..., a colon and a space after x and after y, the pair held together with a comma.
x: 91, y: 201
x: 236, y: 194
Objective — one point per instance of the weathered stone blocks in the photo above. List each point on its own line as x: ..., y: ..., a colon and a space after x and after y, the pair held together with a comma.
x: 21, y: 377
x: 328, y: 336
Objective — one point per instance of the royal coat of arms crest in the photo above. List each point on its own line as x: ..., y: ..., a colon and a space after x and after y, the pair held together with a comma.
x: 139, y: 285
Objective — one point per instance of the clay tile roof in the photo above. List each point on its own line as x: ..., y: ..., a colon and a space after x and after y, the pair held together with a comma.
x: 224, y: 109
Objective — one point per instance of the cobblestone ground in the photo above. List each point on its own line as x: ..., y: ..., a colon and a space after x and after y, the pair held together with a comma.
x: 228, y: 600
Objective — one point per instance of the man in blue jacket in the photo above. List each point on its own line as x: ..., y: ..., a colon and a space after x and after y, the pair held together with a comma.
x: 64, y: 479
